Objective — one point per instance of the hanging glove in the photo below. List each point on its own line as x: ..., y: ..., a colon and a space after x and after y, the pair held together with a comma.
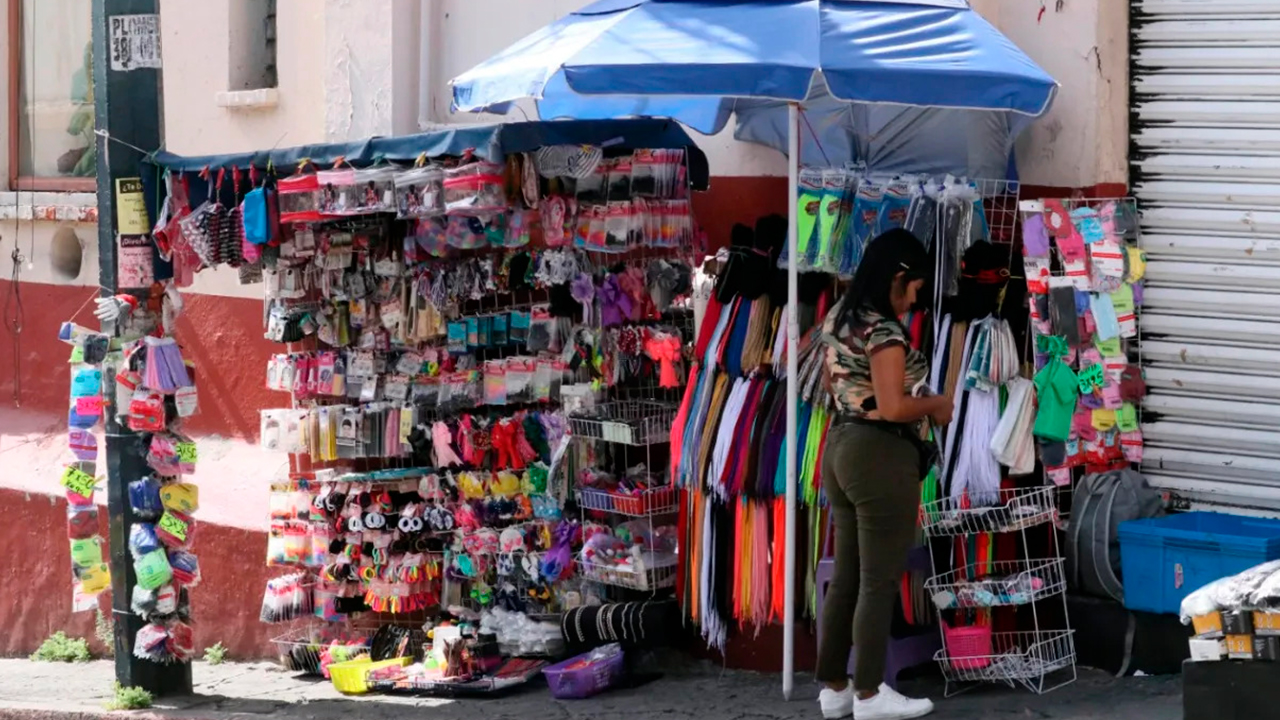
x: 112, y: 309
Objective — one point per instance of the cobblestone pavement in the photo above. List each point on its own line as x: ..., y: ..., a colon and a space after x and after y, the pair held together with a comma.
x: 44, y: 691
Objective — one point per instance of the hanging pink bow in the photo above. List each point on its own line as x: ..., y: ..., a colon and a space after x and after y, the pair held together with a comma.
x: 441, y: 440
x: 666, y: 350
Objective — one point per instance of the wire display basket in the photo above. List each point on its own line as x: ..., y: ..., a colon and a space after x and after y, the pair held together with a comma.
x: 305, y: 650
x: 1020, y: 510
x: 1025, y: 658
x: 626, y: 422
x: 1003, y: 583
x: 645, y: 503
x: 656, y: 575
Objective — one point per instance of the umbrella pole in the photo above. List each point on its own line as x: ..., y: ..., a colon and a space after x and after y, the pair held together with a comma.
x: 793, y: 371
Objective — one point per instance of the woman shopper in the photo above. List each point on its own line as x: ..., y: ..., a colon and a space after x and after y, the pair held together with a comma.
x: 871, y: 471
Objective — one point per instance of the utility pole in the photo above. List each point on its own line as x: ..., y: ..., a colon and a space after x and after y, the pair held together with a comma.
x: 127, y: 113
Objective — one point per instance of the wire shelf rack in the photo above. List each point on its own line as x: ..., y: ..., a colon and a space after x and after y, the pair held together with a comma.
x: 302, y: 650
x: 627, y: 422
x: 1009, y: 582
x: 645, y: 503
x: 1021, y: 509
x: 659, y: 573
x: 1025, y: 658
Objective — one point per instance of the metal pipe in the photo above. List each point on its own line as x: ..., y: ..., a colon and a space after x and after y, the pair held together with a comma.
x: 793, y: 371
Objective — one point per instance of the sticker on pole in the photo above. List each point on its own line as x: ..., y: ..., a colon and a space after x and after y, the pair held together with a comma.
x: 135, y: 42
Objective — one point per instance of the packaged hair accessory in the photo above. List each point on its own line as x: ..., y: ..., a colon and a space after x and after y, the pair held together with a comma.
x: 287, y: 598
x: 375, y: 189
x: 82, y: 521
x: 165, y: 370
x: 152, y: 569
x: 299, y: 199
x: 338, y: 192
x: 420, y: 192
x: 185, y: 567
x: 475, y: 188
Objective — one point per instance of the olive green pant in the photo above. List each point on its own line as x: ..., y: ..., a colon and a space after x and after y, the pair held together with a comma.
x: 869, y: 475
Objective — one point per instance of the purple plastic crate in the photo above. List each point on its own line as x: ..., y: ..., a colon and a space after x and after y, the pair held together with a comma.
x: 586, y: 681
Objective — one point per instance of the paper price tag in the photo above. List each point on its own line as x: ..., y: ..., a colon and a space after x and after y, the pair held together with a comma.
x: 89, y: 406
x: 174, y: 526
x: 186, y: 401
x: 186, y: 452
x: 78, y: 481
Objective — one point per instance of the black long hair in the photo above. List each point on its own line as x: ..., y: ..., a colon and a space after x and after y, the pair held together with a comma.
x: 892, y: 252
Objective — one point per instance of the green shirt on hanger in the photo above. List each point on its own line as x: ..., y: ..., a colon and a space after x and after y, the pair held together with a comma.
x: 1057, y: 391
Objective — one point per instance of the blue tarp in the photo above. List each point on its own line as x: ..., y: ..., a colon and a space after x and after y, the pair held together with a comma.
x: 492, y: 142
x: 872, y: 74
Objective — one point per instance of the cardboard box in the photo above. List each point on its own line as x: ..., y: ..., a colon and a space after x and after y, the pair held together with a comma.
x: 1266, y: 623
x: 1208, y: 649
x: 1237, y: 622
x: 1266, y: 648
x: 1208, y: 626
x: 1240, y: 647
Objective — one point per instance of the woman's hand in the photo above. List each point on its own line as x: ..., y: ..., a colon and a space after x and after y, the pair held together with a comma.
x: 943, y: 410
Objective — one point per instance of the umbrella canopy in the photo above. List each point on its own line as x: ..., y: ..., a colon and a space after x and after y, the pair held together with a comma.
x: 870, y: 73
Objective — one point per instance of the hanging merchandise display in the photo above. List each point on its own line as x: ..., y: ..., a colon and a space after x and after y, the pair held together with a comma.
x: 141, y: 376
x: 1085, y: 274
x: 79, y: 481
x: 449, y: 330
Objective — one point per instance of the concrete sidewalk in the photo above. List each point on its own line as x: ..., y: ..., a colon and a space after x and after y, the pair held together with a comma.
x: 47, y: 691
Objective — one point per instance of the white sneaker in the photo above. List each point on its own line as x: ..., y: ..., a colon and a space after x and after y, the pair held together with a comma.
x: 836, y: 704
x: 889, y: 704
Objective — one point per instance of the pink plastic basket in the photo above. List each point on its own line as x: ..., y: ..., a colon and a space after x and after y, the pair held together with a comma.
x: 968, y: 648
x: 583, y: 682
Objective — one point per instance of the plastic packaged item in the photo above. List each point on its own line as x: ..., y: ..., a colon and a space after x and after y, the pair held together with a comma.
x: 519, y: 380
x: 82, y: 521
x: 339, y: 195
x: 287, y: 598
x: 518, y: 333
x: 185, y: 568
x: 495, y: 382
x: 142, y: 539
x: 299, y: 198
x: 152, y: 569
x: 543, y: 331
x: 420, y: 192
x: 475, y: 188
x: 617, y: 227
x: 593, y: 188
x: 376, y: 189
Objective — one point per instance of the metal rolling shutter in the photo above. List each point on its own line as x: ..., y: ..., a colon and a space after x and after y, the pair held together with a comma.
x: 1205, y: 166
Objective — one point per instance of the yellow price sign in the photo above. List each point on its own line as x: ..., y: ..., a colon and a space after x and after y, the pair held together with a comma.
x: 174, y: 526
x: 78, y: 481
x: 186, y: 452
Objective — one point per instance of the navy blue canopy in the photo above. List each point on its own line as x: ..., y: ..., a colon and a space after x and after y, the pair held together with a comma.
x: 491, y: 142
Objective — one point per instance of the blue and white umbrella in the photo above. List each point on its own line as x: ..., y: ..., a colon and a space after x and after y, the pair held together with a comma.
x: 924, y: 85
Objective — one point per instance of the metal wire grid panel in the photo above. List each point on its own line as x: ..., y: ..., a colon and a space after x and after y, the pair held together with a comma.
x: 645, y: 503
x: 1025, y: 658
x: 626, y: 422
x: 1003, y: 583
x: 1021, y: 509
x: 1000, y: 206
x: 302, y: 650
x: 657, y: 574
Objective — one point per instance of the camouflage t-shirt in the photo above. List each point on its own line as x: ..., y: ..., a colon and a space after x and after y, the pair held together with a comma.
x: 848, y: 359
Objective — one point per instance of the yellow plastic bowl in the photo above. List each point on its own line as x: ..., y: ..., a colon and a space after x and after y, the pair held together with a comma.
x: 351, y: 677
